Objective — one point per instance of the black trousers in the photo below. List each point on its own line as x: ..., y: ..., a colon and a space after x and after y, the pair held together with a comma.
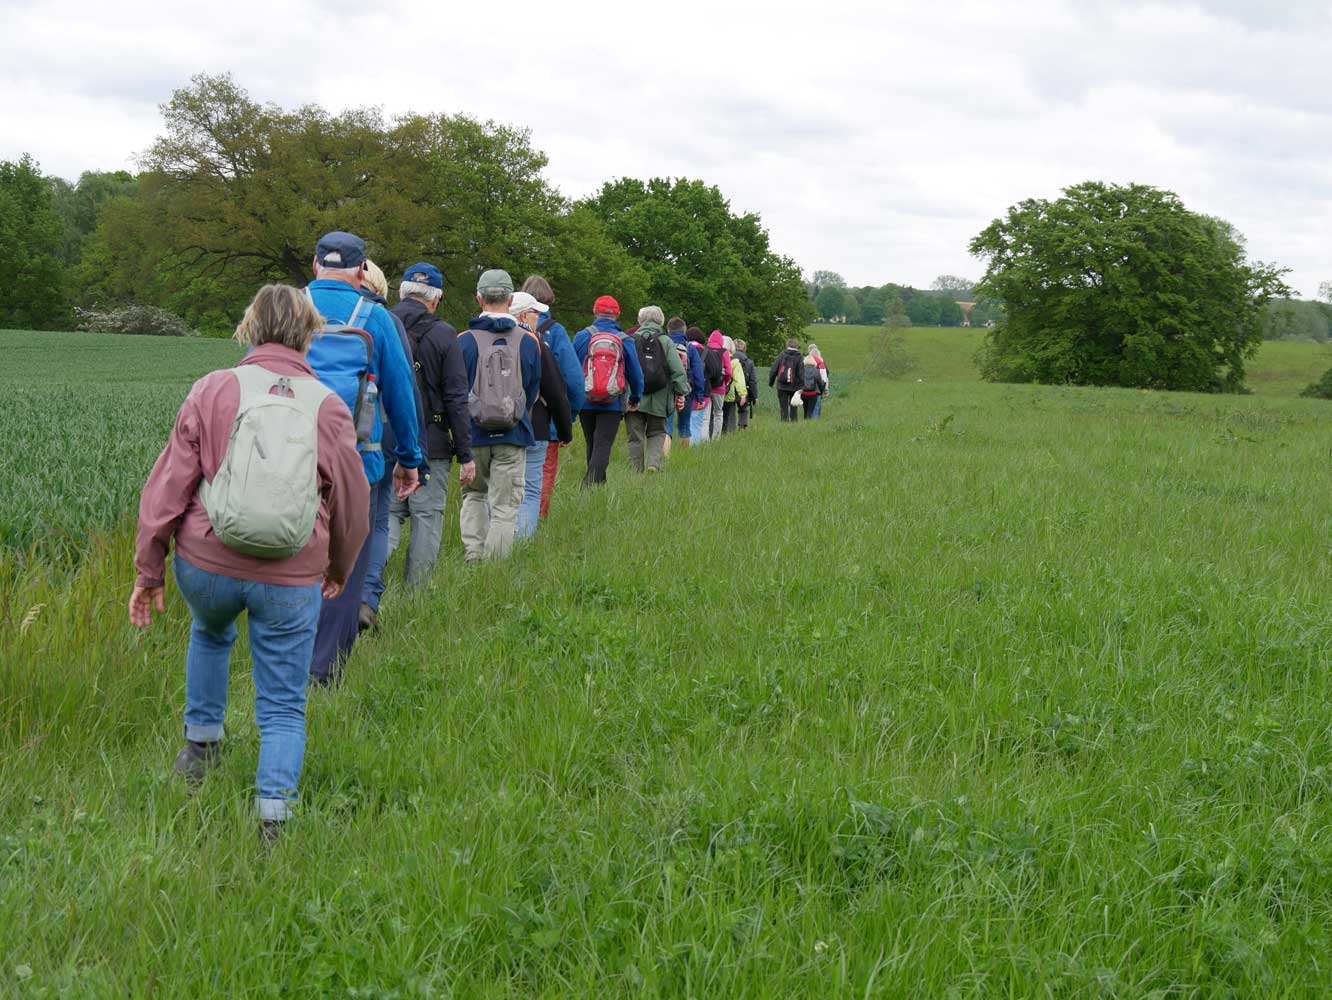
x: 599, y: 428
x: 790, y: 411
x: 730, y: 412
x: 809, y: 402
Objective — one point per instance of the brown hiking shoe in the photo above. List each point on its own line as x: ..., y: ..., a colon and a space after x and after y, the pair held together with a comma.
x: 367, y: 620
x: 197, y: 759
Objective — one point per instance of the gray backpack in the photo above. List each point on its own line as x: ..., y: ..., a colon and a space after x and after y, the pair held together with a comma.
x: 264, y: 500
x: 497, y: 400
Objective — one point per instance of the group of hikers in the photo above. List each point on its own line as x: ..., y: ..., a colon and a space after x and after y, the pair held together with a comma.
x: 287, y: 481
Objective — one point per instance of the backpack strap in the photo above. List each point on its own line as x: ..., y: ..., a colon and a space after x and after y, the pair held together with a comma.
x: 356, y: 311
x: 545, y: 324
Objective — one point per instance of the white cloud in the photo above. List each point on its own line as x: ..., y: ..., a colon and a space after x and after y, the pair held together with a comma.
x: 874, y: 138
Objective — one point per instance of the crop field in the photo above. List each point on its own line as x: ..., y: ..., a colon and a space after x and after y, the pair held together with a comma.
x: 962, y: 691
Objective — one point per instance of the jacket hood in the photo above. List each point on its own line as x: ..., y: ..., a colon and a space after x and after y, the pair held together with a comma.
x: 369, y: 293
x: 715, y: 341
x: 605, y: 324
x: 492, y: 324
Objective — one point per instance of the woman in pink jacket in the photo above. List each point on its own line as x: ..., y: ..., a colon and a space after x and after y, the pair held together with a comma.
x: 217, y: 579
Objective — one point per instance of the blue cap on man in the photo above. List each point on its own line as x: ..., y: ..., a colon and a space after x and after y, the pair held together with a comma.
x: 424, y: 274
x: 339, y: 249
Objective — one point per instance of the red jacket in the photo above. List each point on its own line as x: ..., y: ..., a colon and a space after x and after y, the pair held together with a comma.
x: 170, y: 505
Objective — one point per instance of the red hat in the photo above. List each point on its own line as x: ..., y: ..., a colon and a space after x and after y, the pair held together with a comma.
x: 605, y: 304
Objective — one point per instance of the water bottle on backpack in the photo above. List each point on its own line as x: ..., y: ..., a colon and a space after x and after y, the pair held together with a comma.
x: 365, y: 415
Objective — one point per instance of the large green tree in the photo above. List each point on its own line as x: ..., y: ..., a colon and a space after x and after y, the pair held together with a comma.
x: 236, y: 192
x: 704, y: 262
x: 80, y: 204
x: 31, y: 236
x: 1121, y: 285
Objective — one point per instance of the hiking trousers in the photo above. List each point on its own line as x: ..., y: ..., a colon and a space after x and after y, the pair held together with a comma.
x: 810, y: 402
x: 424, y: 513
x: 745, y: 411
x: 789, y: 410
x: 339, y: 619
x: 373, y: 588
x: 698, y: 425
x: 490, y: 502
x: 646, y: 434
x: 599, y: 428
x: 715, y: 416
x: 730, y: 414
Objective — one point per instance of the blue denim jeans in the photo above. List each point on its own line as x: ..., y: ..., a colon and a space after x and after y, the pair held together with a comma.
x: 818, y: 405
x: 282, y: 624
x: 698, y: 426
x: 529, y: 510
x: 378, y: 541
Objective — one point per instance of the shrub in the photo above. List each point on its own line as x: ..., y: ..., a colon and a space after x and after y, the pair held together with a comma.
x: 889, y: 356
x: 1322, y: 389
x: 148, y: 321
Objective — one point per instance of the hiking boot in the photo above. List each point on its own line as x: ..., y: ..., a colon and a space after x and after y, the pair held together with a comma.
x: 197, y: 759
x: 367, y: 620
x: 270, y: 831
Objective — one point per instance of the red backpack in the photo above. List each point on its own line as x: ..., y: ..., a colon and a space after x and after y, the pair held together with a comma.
x: 603, y: 371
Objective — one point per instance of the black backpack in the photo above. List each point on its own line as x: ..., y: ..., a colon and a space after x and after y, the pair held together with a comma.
x: 786, y: 374
x: 652, y: 359
x: 811, y: 378
x: 712, y: 367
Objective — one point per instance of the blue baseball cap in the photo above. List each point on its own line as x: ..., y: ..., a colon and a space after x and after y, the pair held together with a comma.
x: 339, y: 249
x: 424, y: 274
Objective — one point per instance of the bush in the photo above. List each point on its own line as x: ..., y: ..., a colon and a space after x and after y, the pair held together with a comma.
x: 148, y: 321
x: 889, y: 356
x: 1322, y: 389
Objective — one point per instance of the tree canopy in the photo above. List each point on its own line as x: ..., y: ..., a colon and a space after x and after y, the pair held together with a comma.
x: 31, y: 240
x: 1121, y: 285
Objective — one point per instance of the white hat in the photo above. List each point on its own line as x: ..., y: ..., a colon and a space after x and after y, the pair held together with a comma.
x: 524, y: 303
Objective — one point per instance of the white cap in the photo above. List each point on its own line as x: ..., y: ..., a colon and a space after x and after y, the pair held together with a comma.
x: 523, y: 302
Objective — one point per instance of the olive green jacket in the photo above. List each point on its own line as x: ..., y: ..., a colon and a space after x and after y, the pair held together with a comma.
x: 662, y: 402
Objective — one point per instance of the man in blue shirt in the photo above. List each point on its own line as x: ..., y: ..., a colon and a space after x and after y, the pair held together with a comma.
x: 490, y: 501
x: 338, y: 361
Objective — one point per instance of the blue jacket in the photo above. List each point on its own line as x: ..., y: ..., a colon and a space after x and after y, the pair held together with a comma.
x: 557, y: 339
x: 698, y: 381
x: 529, y: 358
x: 335, y: 301
x: 390, y: 440
x: 633, y: 372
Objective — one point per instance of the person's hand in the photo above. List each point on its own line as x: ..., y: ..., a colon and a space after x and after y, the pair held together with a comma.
x: 141, y: 604
x: 679, y: 403
x: 632, y: 407
x: 467, y: 473
x: 405, y: 482
x: 330, y: 588
x: 743, y: 401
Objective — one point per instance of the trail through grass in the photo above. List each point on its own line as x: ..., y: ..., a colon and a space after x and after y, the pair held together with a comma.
x: 963, y: 691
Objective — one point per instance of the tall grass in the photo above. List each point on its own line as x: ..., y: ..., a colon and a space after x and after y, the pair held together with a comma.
x: 963, y: 691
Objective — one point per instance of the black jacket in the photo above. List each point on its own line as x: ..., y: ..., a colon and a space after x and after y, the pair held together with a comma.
x: 797, y: 362
x: 553, y: 403
x: 751, y: 375
x: 442, y: 378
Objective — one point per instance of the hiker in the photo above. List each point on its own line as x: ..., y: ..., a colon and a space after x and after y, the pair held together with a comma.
x: 612, y: 381
x: 736, y: 393
x: 551, y: 415
x: 359, y: 356
x: 235, y: 550
x: 814, y: 353
x: 751, y: 382
x: 441, y: 377
x: 504, y: 377
x: 788, y: 374
x: 375, y: 288
x: 543, y: 458
x: 717, y: 345
x: 665, y: 386
x: 813, y: 386
x: 700, y: 423
x: 683, y: 419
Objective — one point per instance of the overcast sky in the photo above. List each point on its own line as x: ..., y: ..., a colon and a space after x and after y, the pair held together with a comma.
x: 874, y: 138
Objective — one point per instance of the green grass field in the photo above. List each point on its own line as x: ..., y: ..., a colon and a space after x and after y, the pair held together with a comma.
x: 963, y: 691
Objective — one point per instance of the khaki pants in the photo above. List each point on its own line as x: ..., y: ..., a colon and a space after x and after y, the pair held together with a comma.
x: 490, y: 504
x: 645, y: 429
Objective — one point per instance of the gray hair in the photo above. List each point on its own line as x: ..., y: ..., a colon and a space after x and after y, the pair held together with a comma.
x: 419, y: 290
x: 335, y: 272
x: 496, y: 297
x: 651, y: 314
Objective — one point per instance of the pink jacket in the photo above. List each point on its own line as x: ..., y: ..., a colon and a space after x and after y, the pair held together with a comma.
x: 716, y: 343
x: 170, y: 505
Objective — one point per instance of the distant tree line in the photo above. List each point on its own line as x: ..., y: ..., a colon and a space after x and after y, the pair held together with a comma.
x: 940, y: 305
x: 234, y: 193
